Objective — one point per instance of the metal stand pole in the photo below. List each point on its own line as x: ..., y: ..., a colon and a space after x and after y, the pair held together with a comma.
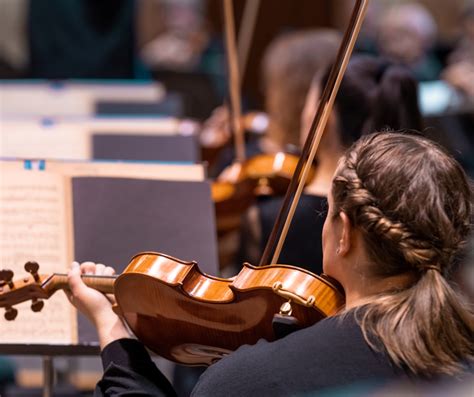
x: 48, y: 376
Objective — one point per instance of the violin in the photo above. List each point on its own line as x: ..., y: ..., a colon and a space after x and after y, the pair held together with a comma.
x: 261, y: 175
x: 193, y: 318
x: 199, y: 318
x: 272, y: 173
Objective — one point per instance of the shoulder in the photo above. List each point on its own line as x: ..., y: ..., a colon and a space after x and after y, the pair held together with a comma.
x: 330, y: 353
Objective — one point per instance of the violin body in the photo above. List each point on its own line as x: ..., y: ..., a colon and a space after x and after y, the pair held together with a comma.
x: 261, y: 175
x: 192, y: 318
x: 273, y: 172
x: 231, y: 197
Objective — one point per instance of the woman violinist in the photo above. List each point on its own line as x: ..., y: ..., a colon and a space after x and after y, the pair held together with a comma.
x: 399, y: 212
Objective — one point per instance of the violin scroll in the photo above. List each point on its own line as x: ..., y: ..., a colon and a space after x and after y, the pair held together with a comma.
x: 38, y: 287
x: 13, y: 292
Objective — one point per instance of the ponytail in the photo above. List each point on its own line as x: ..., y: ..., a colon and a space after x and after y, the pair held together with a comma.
x: 425, y: 328
x: 411, y: 202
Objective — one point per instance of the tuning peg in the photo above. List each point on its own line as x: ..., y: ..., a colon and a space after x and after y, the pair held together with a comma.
x: 6, y: 277
x: 32, y: 267
x: 10, y: 313
x: 37, y: 305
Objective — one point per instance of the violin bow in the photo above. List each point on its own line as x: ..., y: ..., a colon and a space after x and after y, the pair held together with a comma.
x: 293, y: 194
x: 234, y: 81
x: 246, y: 31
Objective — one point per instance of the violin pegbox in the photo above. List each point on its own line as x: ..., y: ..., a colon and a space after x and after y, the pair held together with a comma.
x: 13, y: 292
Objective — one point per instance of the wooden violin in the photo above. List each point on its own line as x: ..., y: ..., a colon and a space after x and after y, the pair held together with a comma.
x: 199, y: 318
x: 261, y: 175
x: 272, y: 173
x: 194, y: 318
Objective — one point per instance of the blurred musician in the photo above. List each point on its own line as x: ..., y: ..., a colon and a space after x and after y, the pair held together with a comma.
x: 373, y: 95
x: 288, y: 66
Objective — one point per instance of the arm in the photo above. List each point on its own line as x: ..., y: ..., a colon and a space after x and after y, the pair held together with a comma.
x: 129, y: 371
x: 128, y: 368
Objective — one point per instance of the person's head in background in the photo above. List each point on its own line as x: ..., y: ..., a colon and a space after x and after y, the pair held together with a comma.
x: 406, y: 34
x: 288, y: 67
x: 375, y: 95
x: 464, y: 51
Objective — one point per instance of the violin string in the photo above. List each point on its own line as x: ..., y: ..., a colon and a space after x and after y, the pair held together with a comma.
x: 297, y: 183
x: 89, y: 276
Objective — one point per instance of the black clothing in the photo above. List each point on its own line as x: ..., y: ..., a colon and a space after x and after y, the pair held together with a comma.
x: 303, y: 247
x: 129, y: 371
x: 227, y: 156
x: 332, y: 353
x: 82, y: 39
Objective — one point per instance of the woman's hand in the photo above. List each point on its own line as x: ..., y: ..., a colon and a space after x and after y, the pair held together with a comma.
x: 94, y: 304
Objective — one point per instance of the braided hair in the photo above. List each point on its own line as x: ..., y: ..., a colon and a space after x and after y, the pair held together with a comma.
x: 412, y: 204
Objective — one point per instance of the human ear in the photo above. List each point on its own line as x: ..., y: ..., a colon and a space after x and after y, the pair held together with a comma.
x: 345, y: 237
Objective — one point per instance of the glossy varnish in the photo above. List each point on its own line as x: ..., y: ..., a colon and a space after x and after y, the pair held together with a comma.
x: 192, y: 318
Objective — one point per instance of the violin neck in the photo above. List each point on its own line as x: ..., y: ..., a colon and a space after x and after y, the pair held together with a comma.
x: 103, y: 284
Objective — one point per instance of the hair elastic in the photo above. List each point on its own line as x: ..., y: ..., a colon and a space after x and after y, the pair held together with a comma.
x: 430, y: 267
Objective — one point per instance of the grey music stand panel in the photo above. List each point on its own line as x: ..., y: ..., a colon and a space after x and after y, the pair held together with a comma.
x: 172, y: 148
x: 115, y: 218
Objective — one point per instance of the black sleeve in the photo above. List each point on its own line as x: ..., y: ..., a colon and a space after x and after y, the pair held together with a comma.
x: 129, y: 371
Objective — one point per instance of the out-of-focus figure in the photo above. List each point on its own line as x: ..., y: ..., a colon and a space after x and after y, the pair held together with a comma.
x: 288, y: 67
x: 179, y: 47
x: 184, y: 37
x: 460, y: 72
x: 464, y: 51
x: 7, y: 373
x: 14, y: 50
x: 82, y: 39
x: 406, y: 34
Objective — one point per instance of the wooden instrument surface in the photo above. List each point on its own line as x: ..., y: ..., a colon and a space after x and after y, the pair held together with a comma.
x: 212, y: 316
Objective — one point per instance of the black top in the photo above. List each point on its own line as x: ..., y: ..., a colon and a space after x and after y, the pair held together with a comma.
x: 330, y: 354
x: 302, y: 246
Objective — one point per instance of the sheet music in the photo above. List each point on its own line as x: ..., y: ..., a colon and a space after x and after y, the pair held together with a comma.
x: 34, y: 225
